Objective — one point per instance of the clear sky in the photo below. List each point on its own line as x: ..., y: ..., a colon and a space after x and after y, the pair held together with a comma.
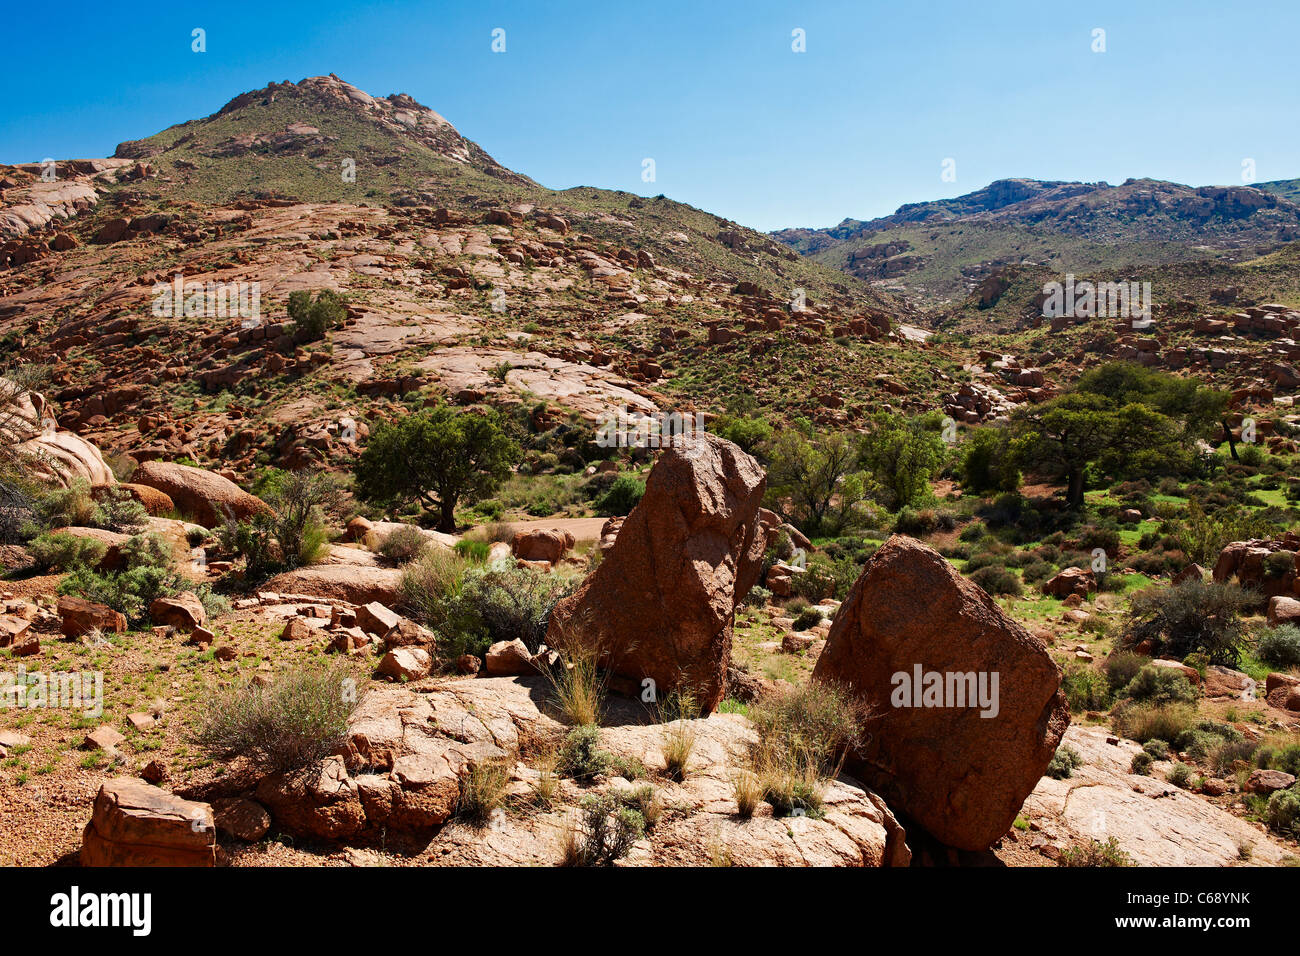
x: 735, y: 120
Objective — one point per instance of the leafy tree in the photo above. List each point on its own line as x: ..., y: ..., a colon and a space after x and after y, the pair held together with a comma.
x: 436, y: 457
x: 901, y: 455
x: 1195, y: 407
x: 1079, y: 429
x: 986, y: 464
x: 749, y: 433
x: 813, y: 481
x: 315, y: 318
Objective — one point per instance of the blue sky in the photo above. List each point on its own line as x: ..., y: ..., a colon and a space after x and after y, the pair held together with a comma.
x: 736, y: 122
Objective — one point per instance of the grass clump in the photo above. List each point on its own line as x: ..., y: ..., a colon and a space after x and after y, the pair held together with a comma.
x: 300, y: 718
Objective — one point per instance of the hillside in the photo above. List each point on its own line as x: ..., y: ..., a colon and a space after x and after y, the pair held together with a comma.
x: 938, y: 251
x: 454, y: 269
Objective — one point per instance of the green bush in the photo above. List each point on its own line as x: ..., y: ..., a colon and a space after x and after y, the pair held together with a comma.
x: 1143, y: 722
x: 1283, y: 813
x: 314, y: 318
x: 146, y: 575
x: 1280, y: 646
x: 1180, y: 775
x: 807, y: 620
x: 581, y: 756
x: 117, y: 510
x: 607, y: 832
x: 473, y: 550
x: 65, y: 552
x: 300, y: 717
x: 1156, y: 749
x: 623, y: 495
x: 1122, y: 666
x: 1085, y: 688
x: 1193, y: 617
x: 997, y: 581
x: 1141, y: 764
x: 1064, y: 763
x: 1160, y: 685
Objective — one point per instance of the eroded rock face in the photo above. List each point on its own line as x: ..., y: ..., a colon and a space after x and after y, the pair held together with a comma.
x: 135, y: 824
x: 60, y: 456
x: 1153, y: 821
x: 661, y: 603
x: 962, y: 776
x: 202, y: 495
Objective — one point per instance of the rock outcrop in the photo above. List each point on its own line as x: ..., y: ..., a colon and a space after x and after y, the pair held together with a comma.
x: 204, y: 496
x: 27, y: 425
x: 967, y: 706
x: 135, y: 824
x: 660, y: 606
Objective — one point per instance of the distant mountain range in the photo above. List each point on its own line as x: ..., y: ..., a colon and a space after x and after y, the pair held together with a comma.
x: 940, y: 250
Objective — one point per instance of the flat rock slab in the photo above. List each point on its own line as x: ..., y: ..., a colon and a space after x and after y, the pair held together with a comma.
x: 1156, y: 823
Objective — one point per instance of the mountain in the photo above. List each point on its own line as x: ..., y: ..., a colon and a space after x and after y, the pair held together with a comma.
x: 465, y: 280
x: 939, y: 251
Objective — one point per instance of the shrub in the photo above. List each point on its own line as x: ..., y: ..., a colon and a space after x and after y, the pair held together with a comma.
x: 807, y: 619
x: 509, y: 602
x: 1036, y: 570
x: 404, y: 544
x: 1096, y: 853
x: 1143, y: 722
x: 1160, y: 685
x: 1283, y: 812
x: 1085, y: 688
x: 146, y: 575
x: 622, y: 497
x: 818, y: 582
x: 1122, y: 666
x: 1224, y: 757
x: 483, y: 790
x: 118, y: 511
x: 1193, y: 617
x: 313, y: 318
x: 581, y: 756
x: 1064, y: 763
x: 68, y: 507
x: 1180, y: 775
x: 1280, y: 646
x: 758, y: 596
x: 1141, y: 764
x: 644, y: 800
x: 61, y: 551
x: 997, y: 581
x: 606, y: 832
x: 299, y: 718
x: 431, y: 587
x: 814, y: 726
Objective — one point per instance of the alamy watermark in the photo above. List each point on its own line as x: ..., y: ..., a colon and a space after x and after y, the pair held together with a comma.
x: 624, y: 429
x: 210, y: 300
x: 946, y: 689
x: 1085, y: 299
x: 67, y: 690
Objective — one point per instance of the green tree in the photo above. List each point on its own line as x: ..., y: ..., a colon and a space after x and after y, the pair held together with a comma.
x: 315, y: 318
x: 986, y: 464
x: 1077, y: 430
x: 901, y: 456
x: 436, y: 458
x: 813, y: 480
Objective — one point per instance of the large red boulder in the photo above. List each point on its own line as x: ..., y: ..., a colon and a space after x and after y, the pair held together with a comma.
x: 135, y: 824
x: 202, y: 495
x: 541, y: 544
x: 662, y: 602
x: 967, y: 705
